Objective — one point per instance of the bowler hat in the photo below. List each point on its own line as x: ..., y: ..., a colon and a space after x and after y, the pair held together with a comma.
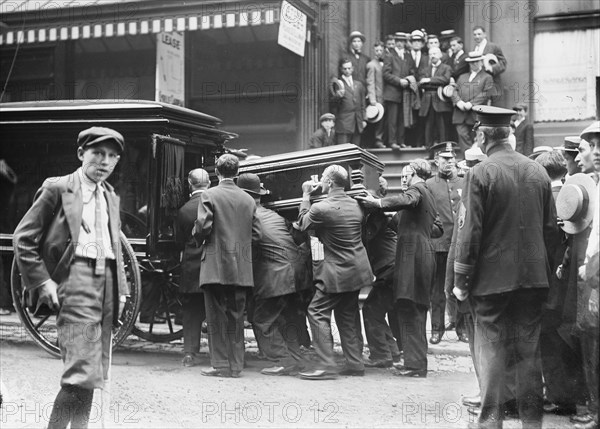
x: 250, y: 182
x: 537, y: 151
x: 593, y: 128
x: 327, y: 117
x: 374, y: 113
x: 570, y: 144
x: 358, y: 34
x: 95, y: 135
x: 575, y: 203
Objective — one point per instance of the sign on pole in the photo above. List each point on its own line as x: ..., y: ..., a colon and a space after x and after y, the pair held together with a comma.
x: 170, y: 68
x: 292, y: 28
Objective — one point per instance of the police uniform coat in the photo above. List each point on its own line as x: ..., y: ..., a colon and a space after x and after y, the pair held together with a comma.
x: 446, y: 193
x: 337, y: 222
x: 44, y: 243
x: 415, y: 256
x: 274, y: 255
x: 509, y: 221
x: 226, y: 224
x: 190, y: 260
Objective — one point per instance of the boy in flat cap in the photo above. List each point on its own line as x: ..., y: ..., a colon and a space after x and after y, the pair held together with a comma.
x: 68, y: 251
x: 507, y: 222
x: 325, y: 135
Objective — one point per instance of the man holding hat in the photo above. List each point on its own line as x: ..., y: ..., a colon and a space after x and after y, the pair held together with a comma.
x: 358, y: 58
x: 507, y: 223
x: 68, y: 251
x: 445, y: 187
x: 274, y: 258
x: 325, y: 135
x: 375, y: 93
x: 471, y: 89
x: 397, y: 67
x: 434, y: 111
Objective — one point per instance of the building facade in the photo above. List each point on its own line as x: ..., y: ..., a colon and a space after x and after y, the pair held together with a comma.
x: 235, y: 69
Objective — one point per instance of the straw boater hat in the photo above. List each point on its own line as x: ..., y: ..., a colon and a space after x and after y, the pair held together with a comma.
x: 374, y: 113
x: 575, y: 203
x: 358, y: 34
x: 537, y: 151
x: 444, y: 93
x: 400, y: 35
x: 250, y: 183
x: 570, y: 144
x: 417, y: 35
x: 474, y: 56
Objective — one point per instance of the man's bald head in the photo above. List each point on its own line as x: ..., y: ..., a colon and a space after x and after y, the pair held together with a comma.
x: 337, y: 174
x: 198, y: 179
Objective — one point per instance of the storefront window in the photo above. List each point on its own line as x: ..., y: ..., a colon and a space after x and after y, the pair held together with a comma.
x: 566, y: 65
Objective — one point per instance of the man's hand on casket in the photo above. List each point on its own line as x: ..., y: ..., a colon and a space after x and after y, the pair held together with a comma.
x: 368, y: 201
x: 310, y: 186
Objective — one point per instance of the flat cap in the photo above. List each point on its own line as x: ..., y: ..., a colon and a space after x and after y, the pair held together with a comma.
x: 327, y: 117
x: 593, y: 128
x: 95, y: 135
x: 490, y: 116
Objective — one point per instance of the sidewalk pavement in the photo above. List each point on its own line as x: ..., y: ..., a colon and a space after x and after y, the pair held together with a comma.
x: 449, y: 355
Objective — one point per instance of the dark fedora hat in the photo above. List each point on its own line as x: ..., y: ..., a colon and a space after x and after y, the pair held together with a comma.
x: 250, y: 183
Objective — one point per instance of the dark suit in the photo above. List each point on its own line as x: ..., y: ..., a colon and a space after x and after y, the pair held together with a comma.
x: 349, y: 112
x: 459, y: 65
x: 227, y: 225
x: 189, y: 285
x: 274, y: 257
x: 339, y: 272
x: 446, y: 193
x: 433, y: 109
x: 415, y: 135
x: 414, y: 268
x: 524, y: 138
x: 497, y: 70
x: 360, y: 66
x: 501, y: 260
x: 395, y: 68
x: 375, y: 94
x: 44, y: 243
x: 381, y: 242
x: 478, y: 91
x: 321, y: 139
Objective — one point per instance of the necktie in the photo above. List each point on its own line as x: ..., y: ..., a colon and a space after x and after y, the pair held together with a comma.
x: 100, y: 256
x: 433, y: 70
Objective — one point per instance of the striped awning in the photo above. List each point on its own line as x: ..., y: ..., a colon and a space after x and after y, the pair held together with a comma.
x: 39, y: 32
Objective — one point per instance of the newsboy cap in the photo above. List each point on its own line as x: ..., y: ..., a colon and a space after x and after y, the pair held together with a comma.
x: 95, y: 135
x: 327, y: 117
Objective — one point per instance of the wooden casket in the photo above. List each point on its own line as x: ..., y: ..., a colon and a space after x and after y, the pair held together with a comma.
x: 283, y: 174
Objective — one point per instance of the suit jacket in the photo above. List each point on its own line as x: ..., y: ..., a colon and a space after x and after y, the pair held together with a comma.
x: 524, y: 138
x: 394, y: 69
x: 227, y: 224
x: 446, y: 193
x: 45, y: 239
x: 190, y: 260
x: 459, y: 65
x: 420, y: 70
x: 478, y: 91
x: 415, y: 256
x: 509, y: 222
x: 429, y: 97
x: 274, y: 256
x: 380, y: 241
x: 360, y: 66
x: 337, y: 223
x: 350, y: 108
x: 321, y: 139
x: 375, y: 81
